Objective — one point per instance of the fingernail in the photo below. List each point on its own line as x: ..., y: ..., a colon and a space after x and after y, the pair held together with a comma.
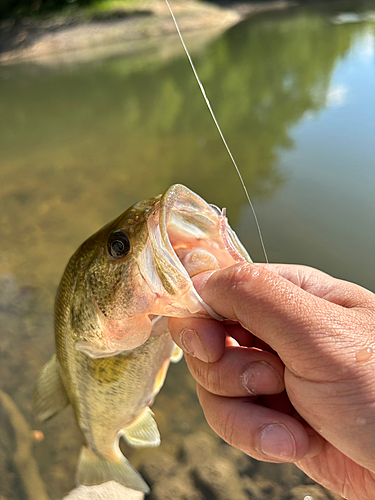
x: 261, y: 378
x: 275, y: 441
x: 192, y: 344
x: 315, y: 446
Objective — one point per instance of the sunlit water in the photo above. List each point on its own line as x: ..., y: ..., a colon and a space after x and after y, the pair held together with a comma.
x: 294, y: 94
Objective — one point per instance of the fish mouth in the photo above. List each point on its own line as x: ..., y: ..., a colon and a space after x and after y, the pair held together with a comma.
x: 189, y: 236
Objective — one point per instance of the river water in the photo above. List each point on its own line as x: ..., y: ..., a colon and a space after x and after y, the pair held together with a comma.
x: 294, y: 94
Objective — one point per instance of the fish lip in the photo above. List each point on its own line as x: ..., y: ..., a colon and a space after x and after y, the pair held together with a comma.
x: 184, y: 216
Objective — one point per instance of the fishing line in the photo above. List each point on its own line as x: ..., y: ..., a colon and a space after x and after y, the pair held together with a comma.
x: 219, y: 130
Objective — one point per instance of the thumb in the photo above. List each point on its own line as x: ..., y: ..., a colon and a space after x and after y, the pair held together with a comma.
x: 297, y: 324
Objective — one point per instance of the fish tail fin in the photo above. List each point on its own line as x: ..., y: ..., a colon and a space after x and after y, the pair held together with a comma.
x: 93, y: 469
x: 49, y: 395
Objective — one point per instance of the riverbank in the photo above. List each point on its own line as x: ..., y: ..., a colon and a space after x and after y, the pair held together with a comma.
x: 124, y: 29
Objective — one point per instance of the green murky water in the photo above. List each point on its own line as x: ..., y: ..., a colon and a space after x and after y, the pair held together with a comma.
x: 294, y: 94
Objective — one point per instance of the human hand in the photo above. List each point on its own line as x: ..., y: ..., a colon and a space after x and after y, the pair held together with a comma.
x: 298, y: 329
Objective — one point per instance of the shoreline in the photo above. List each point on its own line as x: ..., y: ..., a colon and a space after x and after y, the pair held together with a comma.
x: 133, y: 29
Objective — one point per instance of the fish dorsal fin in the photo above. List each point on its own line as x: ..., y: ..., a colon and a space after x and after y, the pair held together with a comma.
x: 177, y: 355
x: 144, y: 431
x: 93, y: 470
x: 50, y: 395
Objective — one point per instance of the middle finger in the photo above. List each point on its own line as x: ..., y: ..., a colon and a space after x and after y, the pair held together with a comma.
x: 241, y: 371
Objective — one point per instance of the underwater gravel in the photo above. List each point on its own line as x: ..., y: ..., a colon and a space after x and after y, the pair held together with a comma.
x: 206, y: 468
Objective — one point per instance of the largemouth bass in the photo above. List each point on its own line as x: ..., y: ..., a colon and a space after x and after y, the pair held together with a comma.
x: 113, y: 347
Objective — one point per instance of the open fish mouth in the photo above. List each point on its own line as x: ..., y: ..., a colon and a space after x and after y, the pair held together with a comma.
x: 189, y: 236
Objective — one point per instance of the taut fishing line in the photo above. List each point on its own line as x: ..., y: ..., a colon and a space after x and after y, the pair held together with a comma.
x: 219, y: 129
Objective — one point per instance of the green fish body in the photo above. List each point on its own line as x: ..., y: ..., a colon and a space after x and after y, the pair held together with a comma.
x: 113, y: 347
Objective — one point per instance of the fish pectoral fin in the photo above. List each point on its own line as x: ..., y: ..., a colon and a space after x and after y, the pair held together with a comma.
x: 49, y: 395
x: 144, y: 431
x: 93, y: 469
x: 177, y: 355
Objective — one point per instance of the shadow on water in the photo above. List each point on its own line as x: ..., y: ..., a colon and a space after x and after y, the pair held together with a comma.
x: 80, y: 144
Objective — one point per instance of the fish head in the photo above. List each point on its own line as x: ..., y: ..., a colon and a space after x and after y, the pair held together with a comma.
x: 138, y: 268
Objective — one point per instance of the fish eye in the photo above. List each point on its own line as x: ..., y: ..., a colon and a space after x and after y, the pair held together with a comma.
x: 118, y: 244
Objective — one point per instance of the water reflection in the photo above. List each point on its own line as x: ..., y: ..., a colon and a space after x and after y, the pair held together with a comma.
x: 80, y: 144
x: 115, y: 132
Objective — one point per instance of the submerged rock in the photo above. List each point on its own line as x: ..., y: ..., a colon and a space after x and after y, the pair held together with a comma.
x: 179, y: 487
x: 203, y: 467
x: 219, y: 479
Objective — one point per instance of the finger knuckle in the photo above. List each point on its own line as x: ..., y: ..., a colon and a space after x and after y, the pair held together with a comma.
x: 249, y: 282
x: 242, y: 278
x: 241, y: 274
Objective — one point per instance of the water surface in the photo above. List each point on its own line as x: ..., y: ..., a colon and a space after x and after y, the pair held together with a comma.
x: 294, y: 94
